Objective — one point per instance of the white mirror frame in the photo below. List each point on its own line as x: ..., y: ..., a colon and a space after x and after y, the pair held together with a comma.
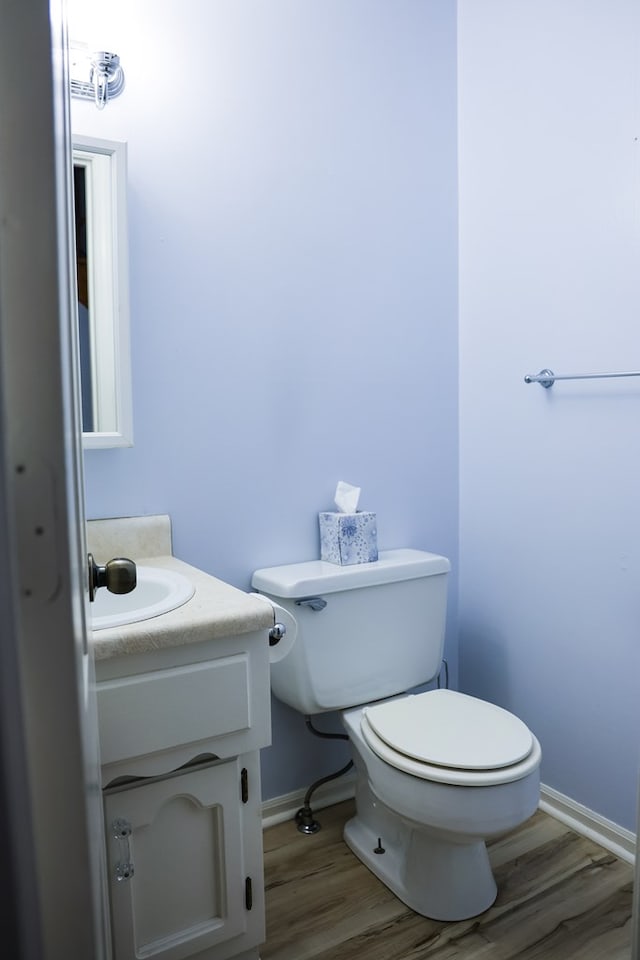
x: 105, y: 166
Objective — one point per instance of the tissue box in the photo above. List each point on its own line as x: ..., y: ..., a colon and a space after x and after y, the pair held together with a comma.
x: 348, y: 537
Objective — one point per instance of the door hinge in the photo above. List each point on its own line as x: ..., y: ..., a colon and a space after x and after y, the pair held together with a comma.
x: 248, y: 893
x: 244, y: 785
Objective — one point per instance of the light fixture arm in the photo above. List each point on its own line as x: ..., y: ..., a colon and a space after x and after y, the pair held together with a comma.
x: 102, y: 80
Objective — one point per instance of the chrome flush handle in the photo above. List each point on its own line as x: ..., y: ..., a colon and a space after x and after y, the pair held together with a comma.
x: 314, y: 603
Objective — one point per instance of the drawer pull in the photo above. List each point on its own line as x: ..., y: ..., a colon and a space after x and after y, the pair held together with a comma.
x: 121, y: 830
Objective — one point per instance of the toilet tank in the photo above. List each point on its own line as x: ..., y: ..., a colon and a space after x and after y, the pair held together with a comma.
x: 365, y: 631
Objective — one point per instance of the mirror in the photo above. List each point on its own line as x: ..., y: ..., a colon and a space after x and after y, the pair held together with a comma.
x: 100, y: 213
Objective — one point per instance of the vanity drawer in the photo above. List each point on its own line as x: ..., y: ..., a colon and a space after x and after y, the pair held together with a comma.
x: 196, y: 703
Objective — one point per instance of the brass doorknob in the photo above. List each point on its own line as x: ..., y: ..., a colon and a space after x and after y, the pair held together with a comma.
x: 118, y: 575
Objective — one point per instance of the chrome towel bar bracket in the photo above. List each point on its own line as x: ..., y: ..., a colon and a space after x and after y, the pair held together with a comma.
x: 546, y: 378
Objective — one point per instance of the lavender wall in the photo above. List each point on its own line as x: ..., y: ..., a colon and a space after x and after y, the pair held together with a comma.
x: 549, y: 252
x: 293, y: 219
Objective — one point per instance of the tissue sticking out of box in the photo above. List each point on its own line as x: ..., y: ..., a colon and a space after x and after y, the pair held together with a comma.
x: 346, y: 498
x: 350, y: 535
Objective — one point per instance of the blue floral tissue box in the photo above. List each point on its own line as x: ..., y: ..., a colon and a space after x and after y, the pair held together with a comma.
x: 348, y: 537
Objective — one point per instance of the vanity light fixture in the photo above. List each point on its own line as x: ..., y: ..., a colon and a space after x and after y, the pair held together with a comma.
x: 94, y: 75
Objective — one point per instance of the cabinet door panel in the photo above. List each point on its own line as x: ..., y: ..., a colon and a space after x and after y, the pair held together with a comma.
x: 186, y: 891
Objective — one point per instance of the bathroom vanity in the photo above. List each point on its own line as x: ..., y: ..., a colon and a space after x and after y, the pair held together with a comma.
x: 183, y: 711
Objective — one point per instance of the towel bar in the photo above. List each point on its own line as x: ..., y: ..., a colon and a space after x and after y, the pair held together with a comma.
x: 546, y: 378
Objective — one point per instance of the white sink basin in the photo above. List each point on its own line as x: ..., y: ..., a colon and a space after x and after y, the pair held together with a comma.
x: 158, y: 591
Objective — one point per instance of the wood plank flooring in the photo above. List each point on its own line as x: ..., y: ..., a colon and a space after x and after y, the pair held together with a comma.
x: 560, y: 897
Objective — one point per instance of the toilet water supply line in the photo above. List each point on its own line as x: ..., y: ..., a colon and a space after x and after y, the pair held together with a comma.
x: 304, y: 817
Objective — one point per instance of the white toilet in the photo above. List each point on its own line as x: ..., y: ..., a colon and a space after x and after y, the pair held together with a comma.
x: 439, y: 772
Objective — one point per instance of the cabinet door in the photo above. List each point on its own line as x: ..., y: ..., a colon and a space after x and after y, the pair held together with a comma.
x: 176, y: 867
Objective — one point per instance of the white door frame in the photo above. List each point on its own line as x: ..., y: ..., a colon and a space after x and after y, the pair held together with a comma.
x: 49, y: 794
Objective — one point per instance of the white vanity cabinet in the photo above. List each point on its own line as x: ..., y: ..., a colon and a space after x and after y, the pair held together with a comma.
x: 180, y: 733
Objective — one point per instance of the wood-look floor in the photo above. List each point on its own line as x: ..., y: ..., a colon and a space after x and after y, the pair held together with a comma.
x: 560, y: 896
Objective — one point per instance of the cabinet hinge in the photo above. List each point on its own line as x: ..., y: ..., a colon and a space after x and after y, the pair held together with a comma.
x: 248, y: 893
x: 244, y: 785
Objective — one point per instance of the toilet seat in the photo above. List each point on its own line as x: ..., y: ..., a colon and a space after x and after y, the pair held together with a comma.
x: 450, y: 737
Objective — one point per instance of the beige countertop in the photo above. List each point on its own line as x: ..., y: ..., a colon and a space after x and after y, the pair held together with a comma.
x: 216, y: 610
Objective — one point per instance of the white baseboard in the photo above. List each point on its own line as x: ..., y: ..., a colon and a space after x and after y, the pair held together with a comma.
x: 587, y: 823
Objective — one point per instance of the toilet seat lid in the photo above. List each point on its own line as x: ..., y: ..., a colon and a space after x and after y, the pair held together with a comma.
x: 449, y: 729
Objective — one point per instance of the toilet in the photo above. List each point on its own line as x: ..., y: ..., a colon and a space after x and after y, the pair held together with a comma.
x: 437, y: 773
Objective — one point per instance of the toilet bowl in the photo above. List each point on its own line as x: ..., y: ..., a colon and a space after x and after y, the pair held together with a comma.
x: 437, y: 773
x: 423, y: 832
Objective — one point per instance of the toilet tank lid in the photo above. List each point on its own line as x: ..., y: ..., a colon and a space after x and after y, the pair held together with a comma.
x: 311, y: 577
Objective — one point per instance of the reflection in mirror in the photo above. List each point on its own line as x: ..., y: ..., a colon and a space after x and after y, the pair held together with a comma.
x: 99, y: 183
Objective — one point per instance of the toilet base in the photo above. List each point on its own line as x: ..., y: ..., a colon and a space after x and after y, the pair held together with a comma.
x: 432, y: 834
x: 437, y: 878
